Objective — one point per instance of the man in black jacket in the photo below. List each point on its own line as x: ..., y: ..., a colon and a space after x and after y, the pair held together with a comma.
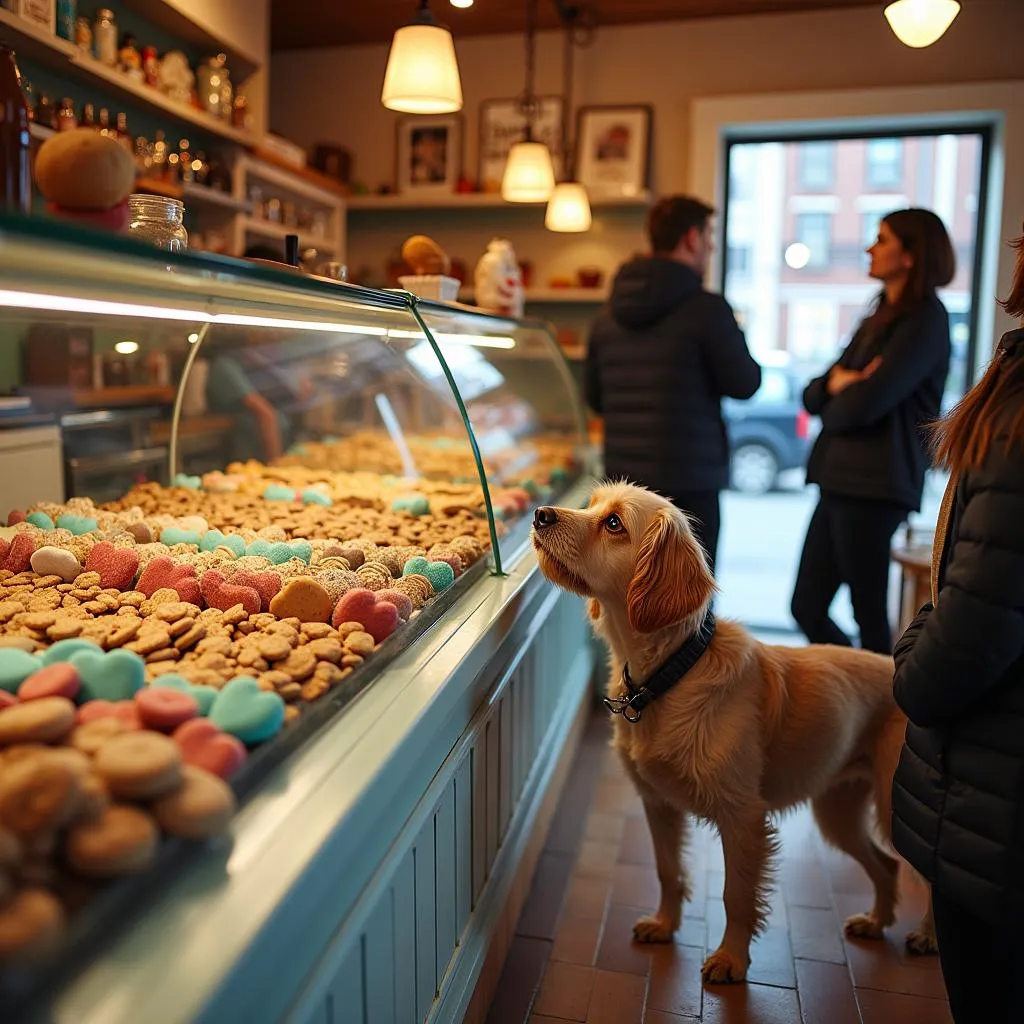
x: 662, y: 356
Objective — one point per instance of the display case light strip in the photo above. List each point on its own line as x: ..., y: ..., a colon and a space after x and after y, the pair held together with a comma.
x: 479, y: 340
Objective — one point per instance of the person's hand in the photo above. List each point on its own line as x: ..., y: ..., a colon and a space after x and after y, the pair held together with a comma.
x: 839, y: 378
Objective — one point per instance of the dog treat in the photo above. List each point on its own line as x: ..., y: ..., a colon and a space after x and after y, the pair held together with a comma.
x: 122, y: 841
x: 139, y: 765
x: 204, y: 745
x: 47, y: 720
x: 30, y: 923
x: 201, y: 807
x: 39, y: 794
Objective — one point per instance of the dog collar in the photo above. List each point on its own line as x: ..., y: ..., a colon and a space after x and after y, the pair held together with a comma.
x: 631, y: 707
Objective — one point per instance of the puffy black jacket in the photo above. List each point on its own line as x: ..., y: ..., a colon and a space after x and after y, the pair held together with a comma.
x: 958, y: 796
x: 662, y: 355
x: 871, y: 444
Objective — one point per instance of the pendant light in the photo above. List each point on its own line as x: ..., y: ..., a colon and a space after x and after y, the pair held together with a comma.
x: 529, y: 175
x: 919, y: 23
x: 422, y: 76
x: 569, y: 206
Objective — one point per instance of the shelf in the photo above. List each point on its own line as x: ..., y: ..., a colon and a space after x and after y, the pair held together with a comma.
x: 31, y: 41
x: 271, y: 229
x: 555, y: 296
x: 200, y: 195
x: 302, y: 181
x: 472, y: 201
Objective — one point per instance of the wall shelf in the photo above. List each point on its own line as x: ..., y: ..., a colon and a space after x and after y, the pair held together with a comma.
x: 472, y: 201
x: 190, y: 192
x: 271, y: 229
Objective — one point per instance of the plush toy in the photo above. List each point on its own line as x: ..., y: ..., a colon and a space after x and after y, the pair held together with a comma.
x: 498, y: 281
x: 86, y: 176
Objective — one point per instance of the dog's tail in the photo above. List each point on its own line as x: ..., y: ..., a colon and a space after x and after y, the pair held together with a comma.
x: 887, y: 756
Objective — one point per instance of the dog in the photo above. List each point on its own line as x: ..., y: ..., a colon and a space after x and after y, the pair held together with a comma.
x: 749, y: 731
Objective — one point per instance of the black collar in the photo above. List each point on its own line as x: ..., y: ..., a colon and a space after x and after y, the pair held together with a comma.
x: 664, y: 678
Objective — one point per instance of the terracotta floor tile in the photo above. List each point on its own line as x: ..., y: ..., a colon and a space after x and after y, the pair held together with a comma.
x: 634, y: 885
x: 816, y: 935
x: 771, y: 956
x: 636, y: 845
x: 544, y: 903
x: 536, y: 1018
x: 892, y: 1008
x: 826, y: 993
x: 750, y: 1004
x: 618, y: 951
x: 617, y: 796
x: 804, y: 883
x: 617, y: 999
x: 587, y: 897
x: 577, y: 939
x: 597, y: 859
x: 565, y: 991
x: 845, y: 875
x: 608, y: 828
x: 520, y: 979
x: 675, y: 981
x: 660, y: 1017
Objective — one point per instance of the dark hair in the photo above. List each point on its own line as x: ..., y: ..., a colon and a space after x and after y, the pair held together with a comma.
x: 963, y: 438
x: 670, y: 219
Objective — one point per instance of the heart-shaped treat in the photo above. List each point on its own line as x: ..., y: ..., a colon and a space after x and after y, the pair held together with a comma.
x: 40, y: 519
x: 64, y: 650
x: 163, y: 573
x: 164, y: 708
x: 19, y: 554
x: 204, y: 745
x: 123, y: 710
x: 266, y: 584
x: 220, y: 594
x: 440, y: 574
x: 278, y: 492
x: 57, y: 680
x: 172, y: 535
x: 15, y: 516
x: 15, y: 667
x: 247, y: 712
x: 51, y: 561
x: 311, y: 496
x: 204, y: 696
x: 301, y: 549
x: 77, y: 525
x: 378, y: 618
x: 401, y: 601
x: 117, y: 566
x: 304, y: 599
x: 190, y: 483
x: 414, y: 504
x: 115, y: 676
x: 213, y: 539
x: 7, y: 699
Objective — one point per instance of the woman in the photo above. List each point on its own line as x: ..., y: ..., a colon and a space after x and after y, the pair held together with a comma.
x: 869, y: 460
x: 958, y: 797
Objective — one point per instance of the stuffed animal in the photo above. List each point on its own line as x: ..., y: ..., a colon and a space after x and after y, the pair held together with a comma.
x: 498, y: 281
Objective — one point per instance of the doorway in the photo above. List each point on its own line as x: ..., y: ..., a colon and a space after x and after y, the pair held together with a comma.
x: 798, y: 215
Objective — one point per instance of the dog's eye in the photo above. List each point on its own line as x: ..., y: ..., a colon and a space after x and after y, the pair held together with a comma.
x: 613, y: 524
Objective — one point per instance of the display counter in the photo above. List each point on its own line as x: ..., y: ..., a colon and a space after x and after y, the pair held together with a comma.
x: 378, y: 465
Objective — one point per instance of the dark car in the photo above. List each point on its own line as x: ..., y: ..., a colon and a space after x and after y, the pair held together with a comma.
x: 768, y: 434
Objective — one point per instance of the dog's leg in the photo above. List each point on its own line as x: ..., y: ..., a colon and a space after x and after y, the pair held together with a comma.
x: 842, y: 816
x: 749, y: 841
x: 669, y: 832
x: 921, y: 941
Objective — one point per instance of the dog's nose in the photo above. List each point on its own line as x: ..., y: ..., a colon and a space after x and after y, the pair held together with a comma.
x: 544, y: 516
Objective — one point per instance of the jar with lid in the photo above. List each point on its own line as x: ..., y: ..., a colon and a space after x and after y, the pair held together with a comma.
x: 105, y: 37
x: 159, y: 221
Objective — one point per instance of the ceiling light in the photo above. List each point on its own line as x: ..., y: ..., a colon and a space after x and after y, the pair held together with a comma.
x: 920, y: 23
x: 126, y: 348
x: 529, y: 174
x: 568, y: 208
x: 422, y: 76
x: 463, y: 4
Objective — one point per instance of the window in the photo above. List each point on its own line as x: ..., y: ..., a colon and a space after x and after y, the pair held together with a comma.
x: 816, y: 165
x: 815, y: 231
x: 869, y: 223
x: 813, y: 334
x: 738, y: 259
x: 884, y: 163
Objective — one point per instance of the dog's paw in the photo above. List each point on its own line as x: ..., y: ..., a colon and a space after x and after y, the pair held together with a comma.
x: 722, y: 968
x: 922, y: 943
x: 653, y: 928
x: 864, y: 926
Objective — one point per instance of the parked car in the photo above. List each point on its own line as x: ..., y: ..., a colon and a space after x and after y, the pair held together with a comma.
x: 769, y: 433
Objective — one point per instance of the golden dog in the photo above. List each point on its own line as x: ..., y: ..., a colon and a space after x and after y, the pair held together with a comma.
x: 749, y: 731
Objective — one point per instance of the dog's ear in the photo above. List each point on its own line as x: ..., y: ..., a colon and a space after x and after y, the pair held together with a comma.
x: 671, y: 579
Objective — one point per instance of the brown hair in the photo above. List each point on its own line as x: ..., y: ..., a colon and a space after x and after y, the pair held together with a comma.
x: 670, y: 219
x: 963, y: 438
x: 923, y: 235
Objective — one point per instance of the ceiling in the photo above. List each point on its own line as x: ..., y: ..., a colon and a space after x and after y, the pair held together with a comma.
x: 340, y: 22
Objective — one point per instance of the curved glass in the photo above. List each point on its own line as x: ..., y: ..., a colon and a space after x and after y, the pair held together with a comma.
x: 522, y: 404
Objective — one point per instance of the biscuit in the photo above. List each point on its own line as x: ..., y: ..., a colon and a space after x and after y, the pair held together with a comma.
x: 139, y: 765
x: 201, y: 807
x: 29, y: 924
x: 46, y: 720
x: 121, y: 841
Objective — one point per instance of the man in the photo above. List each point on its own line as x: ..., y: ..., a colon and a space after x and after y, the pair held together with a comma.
x: 662, y: 356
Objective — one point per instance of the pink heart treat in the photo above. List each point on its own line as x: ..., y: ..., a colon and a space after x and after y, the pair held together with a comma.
x: 58, y: 680
x: 378, y: 618
x: 266, y: 584
x: 203, y: 745
x: 164, y: 573
x: 19, y: 554
x: 218, y: 593
x: 117, y: 566
x: 164, y: 709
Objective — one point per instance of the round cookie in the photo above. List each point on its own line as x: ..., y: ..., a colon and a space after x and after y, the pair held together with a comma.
x: 57, y: 680
x: 121, y: 841
x: 139, y: 765
x: 38, y: 795
x: 47, y: 720
x: 29, y: 924
x: 201, y: 807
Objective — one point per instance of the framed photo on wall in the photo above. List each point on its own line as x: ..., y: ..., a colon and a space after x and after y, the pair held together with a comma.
x: 429, y: 155
x: 613, y: 150
x: 502, y: 125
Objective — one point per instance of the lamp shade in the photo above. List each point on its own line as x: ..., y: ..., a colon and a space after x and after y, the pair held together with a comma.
x: 529, y: 176
x: 568, y: 208
x: 920, y: 23
x: 422, y: 75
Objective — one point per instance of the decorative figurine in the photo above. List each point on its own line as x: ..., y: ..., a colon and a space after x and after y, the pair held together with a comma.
x: 498, y: 283
x: 151, y: 67
x: 176, y: 77
x: 129, y: 57
x: 83, y: 35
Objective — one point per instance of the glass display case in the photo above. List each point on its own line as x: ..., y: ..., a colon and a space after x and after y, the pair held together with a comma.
x: 303, y: 442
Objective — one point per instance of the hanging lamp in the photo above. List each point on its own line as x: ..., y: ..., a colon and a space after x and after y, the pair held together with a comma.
x: 569, y: 206
x: 422, y: 75
x: 529, y: 175
x: 919, y: 23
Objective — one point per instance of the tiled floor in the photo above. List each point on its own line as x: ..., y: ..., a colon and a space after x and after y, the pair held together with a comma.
x: 573, y: 958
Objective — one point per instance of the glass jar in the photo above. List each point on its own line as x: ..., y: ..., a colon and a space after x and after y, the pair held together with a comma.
x: 66, y: 118
x: 213, y: 82
x: 104, y: 35
x: 159, y: 221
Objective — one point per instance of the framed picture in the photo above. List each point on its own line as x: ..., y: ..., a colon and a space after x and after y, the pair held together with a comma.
x: 502, y: 125
x: 613, y: 150
x: 429, y: 155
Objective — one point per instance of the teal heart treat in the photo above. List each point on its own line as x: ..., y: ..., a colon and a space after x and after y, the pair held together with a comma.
x: 78, y: 525
x: 40, y: 519
x: 213, y: 539
x: 558, y: 475
x: 441, y: 575
x: 531, y: 488
x: 65, y: 650
x: 416, y: 566
x: 260, y: 548
x: 301, y: 549
x: 191, y: 483
x: 415, y: 504
x: 15, y: 667
x: 281, y: 552
x: 278, y: 492
x: 204, y: 696
x: 245, y: 711
x: 118, y: 675
x: 175, y: 535
x: 311, y: 496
